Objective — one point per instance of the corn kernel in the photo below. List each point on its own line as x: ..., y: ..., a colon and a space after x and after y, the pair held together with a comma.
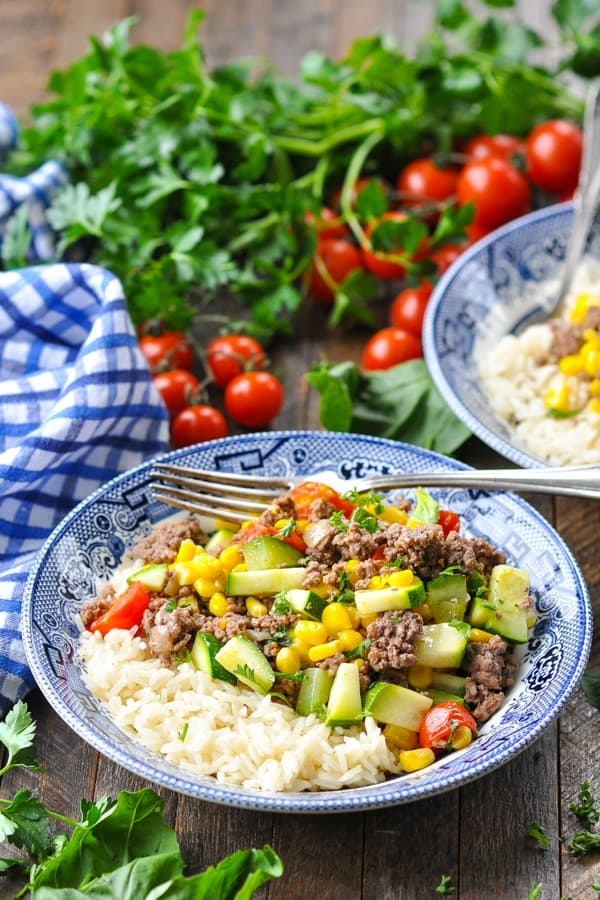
x: 220, y: 582
x: 419, y: 758
x: 335, y: 618
x: 479, y: 636
x: 312, y: 633
x: 592, y: 363
x: 187, y: 551
x: 571, y: 364
x: 349, y: 638
x: 324, y: 651
x: 302, y: 524
x: 376, y: 582
x: 557, y: 397
x: 217, y: 605
x: 351, y: 564
x: 255, y: 608
x: 595, y: 406
x: 401, y: 578
x: 594, y: 387
x: 400, y: 738
x: 462, y: 737
x: 580, y: 308
x: 322, y: 590
x: 187, y: 572
x: 204, y: 586
x: 207, y: 566
x: 287, y: 660
x: 365, y: 621
x: 353, y: 616
x: 530, y: 618
x: 280, y: 524
x: 301, y: 649
x: 419, y: 677
x: 231, y: 556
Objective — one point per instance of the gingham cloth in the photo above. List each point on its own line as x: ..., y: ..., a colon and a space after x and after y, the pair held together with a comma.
x: 77, y: 406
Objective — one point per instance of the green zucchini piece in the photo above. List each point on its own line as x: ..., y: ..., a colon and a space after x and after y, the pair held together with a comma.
x: 441, y: 645
x: 447, y: 596
x: 264, y: 582
x: 305, y: 602
x: 269, y: 553
x: 152, y: 576
x: 314, y: 691
x: 219, y: 540
x: 203, y: 655
x: 241, y: 657
x: 393, y: 704
x: 381, y: 599
x: 344, y: 706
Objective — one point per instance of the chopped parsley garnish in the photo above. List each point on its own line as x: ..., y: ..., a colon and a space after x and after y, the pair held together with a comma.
x: 338, y: 520
x: 287, y: 530
x: 280, y: 605
x: 170, y: 605
x: 358, y: 651
x: 365, y: 519
x: 182, y: 734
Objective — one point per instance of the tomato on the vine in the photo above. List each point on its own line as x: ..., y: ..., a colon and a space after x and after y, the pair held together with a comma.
x: 390, y: 346
x: 504, y: 146
x: 178, y: 388
x: 444, y: 256
x: 381, y: 263
x: 497, y: 191
x: 170, y: 350
x: 195, y: 424
x: 327, y: 225
x: 231, y: 354
x: 338, y: 258
x: 253, y: 398
x: 440, y: 722
x: 554, y: 150
x: 423, y: 180
x: 408, y: 308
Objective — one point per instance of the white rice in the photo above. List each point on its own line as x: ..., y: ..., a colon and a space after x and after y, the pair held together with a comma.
x: 516, y: 387
x: 215, y: 729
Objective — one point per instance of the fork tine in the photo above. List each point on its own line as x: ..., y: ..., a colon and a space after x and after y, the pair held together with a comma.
x: 214, y: 507
x: 225, y: 482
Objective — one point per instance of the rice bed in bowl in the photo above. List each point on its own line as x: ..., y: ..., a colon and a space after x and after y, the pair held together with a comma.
x: 555, y: 414
x: 214, y: 728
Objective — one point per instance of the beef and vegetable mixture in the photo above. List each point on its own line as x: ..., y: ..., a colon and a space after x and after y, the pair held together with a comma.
x: 339, y: 605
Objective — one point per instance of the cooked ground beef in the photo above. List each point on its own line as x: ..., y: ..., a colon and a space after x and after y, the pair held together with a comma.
x: 426, y: 551
x: 97, y: 606
x: 491, y: 670
x: 393, y: 635
x: 566, y: 339
x: 592, y: 318
x: 171, y: 632
x: 281, y: 508
x: 319, y: 543
x: 472, y: 554
x: 355, y: 542
x: 163, y: 541
x: 320, y: 509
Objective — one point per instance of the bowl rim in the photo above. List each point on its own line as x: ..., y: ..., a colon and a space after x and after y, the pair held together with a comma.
x: 514, y: 453
x: 362, y: 799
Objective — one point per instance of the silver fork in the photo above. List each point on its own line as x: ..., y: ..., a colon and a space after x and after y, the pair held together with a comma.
x: 235, y: 498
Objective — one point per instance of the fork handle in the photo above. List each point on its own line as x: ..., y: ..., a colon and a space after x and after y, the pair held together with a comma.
x: 571, y: 481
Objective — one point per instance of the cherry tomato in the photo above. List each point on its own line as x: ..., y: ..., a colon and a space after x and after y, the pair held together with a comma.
x: 197, y: 423
x: 231, y: 354
x: 170, y: 350
x: 306, y: 493
x: 554, y: 151
x: 424, y: 180
x: 253, y: 398
x: 408, y: 308
x: 441, y: 721
x: 382, y: 263
x: 339, y: 258
x: 390, y: 346
x: 257, y: 529
x: 328, y: 225
x: 126, y: 611
x: 178, y: 388
x: 449, y: 520
x: 496, y: 189
x: 504, y: 146
x: 476, y: 232
x: 445, y: 256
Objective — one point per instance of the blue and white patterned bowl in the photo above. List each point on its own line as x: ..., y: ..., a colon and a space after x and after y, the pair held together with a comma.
x: 488, y: 292
x: 91, y: 540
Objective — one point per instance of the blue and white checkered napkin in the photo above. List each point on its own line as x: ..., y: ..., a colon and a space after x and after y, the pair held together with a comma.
x: 77, y: 407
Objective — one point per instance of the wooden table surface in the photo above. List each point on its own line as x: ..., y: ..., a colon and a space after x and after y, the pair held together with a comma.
x: 477, y: 835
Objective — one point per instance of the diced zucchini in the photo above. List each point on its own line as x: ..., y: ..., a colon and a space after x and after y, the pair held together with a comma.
x: 218, y: 541
x: 153, y: 576
x: 344, y: 706
x: 265, y: 581
x: 203, y: 656
x: 269, y: 553
x: 447, y: 596
x: 314, y: 691
x: 382, y: 599
x: 509, y: 584
x: 506, y: 616
x: 396, y: 705
x: 480, y: 609
x: 441, y: 645
x: 242, y: 658
x: 443, y: 696
x: 305, y: 602
x: 446, y: 681
x: 509, y: 622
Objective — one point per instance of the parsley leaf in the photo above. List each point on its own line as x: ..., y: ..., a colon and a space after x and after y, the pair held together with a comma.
x: 17, y: 733
x: 586, y: 809
x: 590, y: 682
x: 539, y: 835
x: 445, y: 886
